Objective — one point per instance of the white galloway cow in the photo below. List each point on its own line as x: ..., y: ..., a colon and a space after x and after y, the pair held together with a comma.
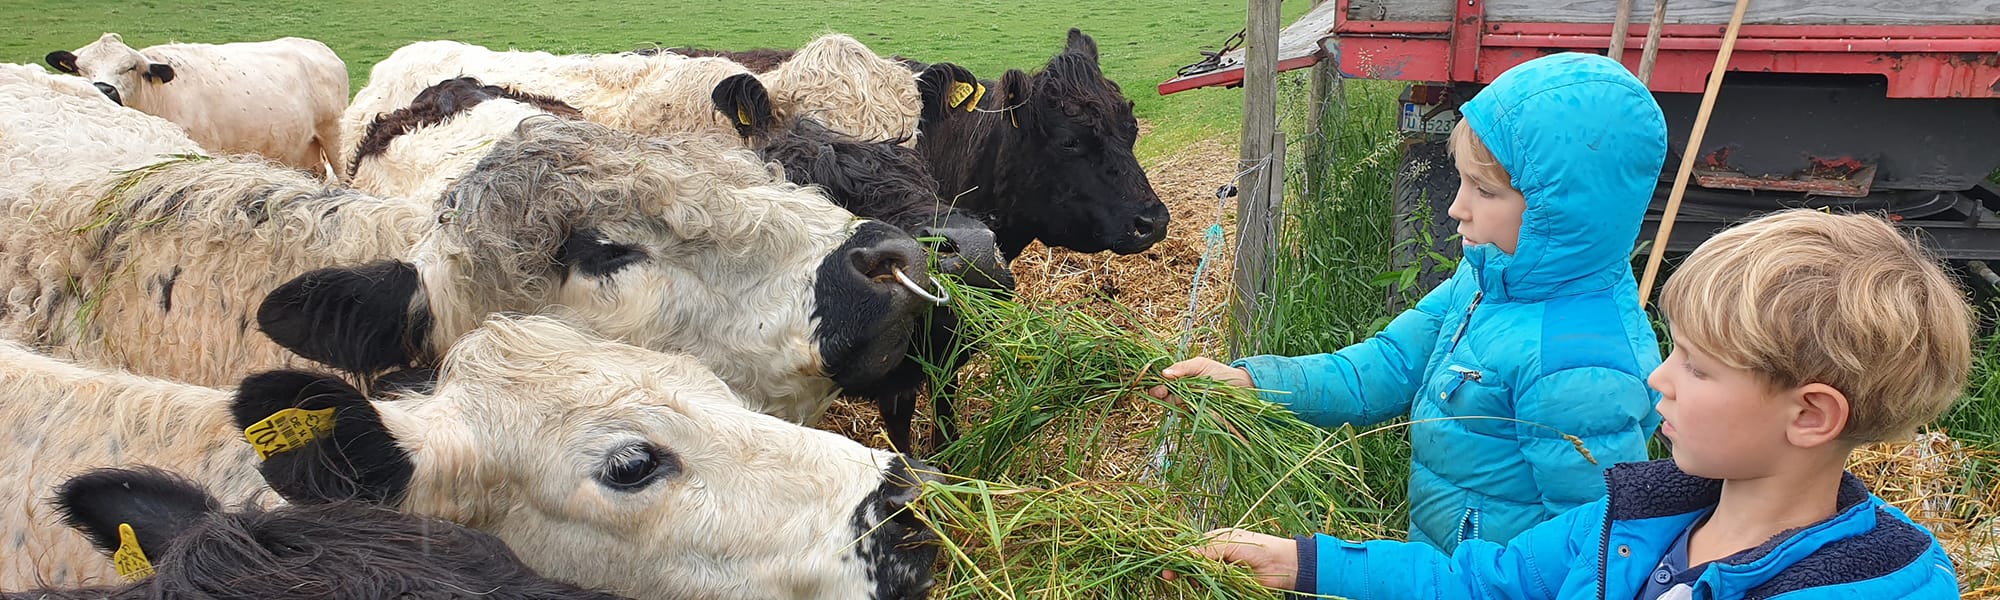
x: 599, y: 463
x: 280, y: 99
x: 835, y: 79
x: 682, y: 245
x: 52, y: 129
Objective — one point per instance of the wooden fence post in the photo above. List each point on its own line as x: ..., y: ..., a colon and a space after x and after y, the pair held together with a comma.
x: 1255, y: 224
x: 1328, y: 101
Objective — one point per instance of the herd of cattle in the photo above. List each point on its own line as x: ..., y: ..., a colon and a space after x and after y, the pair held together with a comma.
x: 507, y: 315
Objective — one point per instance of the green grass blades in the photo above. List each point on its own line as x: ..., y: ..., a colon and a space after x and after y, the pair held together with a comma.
x: 1064, y: 388
x: 1081, y: 540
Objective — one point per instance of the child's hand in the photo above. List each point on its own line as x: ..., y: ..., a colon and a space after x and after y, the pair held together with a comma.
x: 1275, y: 560
x: 1201, y: 367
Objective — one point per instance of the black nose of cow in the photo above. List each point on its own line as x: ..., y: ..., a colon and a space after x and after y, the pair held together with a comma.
x: 109, y: 92
x: 896, y: 263
x: 1148, y: 228
x: 902, y: 482
x: 970, y: 254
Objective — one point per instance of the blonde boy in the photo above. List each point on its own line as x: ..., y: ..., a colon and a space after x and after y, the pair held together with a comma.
x: 1797, y: 338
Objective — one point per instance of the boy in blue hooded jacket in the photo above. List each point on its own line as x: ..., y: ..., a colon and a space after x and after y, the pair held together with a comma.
x: 1539, y: 333
x: 1798, y: 337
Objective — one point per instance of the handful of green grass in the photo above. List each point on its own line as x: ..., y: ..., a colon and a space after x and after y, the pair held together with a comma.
x: 1081, y: 485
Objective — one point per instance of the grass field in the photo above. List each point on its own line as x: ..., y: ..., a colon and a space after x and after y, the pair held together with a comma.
x: 1141, y: 41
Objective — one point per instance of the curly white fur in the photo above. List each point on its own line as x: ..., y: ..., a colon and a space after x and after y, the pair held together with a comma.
x: 161, y: 270
x: 834, y: 78
x: 56, y: 129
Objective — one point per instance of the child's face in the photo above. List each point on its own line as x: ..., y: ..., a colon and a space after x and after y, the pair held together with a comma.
x: 1487, y: 213
x: 1726, y: 423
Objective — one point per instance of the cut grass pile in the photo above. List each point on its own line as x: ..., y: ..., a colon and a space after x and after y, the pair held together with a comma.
x: 1056, y: 493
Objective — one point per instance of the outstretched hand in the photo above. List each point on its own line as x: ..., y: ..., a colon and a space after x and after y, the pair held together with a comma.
x: 1274, y: 560
x: 1201, y: 367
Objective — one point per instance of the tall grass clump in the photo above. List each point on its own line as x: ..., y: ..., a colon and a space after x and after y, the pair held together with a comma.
x: 1333, y: 274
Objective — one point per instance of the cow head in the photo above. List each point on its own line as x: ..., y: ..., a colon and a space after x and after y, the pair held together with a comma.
x: 1067, y: 134
x: 879, y: 180
x: 677, y: 244
x: 335, y: 550
x: 118, y: 70
x: 614, y: 467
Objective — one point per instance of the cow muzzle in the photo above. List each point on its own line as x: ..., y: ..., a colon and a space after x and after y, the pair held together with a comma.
x: 899, y: 547
x: 970, y: 254
x: 109, y: 92
x: 898, y: 262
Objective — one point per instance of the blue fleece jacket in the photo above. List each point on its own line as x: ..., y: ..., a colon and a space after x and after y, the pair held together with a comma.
x: 1606, y: 549
x: 1552, y: 335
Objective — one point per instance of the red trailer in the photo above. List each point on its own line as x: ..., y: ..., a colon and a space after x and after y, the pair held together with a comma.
x: 1845, y: 104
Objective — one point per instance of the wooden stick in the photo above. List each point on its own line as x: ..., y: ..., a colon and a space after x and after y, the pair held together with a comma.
x: 1688, y: 155
x: 1653, y: 41
x: 1619, y: 28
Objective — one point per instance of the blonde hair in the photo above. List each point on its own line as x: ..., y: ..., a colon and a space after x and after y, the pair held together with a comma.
x: 1801, y: 296
x: 1486, y: 169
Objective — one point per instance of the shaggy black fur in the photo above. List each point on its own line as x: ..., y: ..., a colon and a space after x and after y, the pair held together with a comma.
x: 340, y: 550
x: 1048, y: 157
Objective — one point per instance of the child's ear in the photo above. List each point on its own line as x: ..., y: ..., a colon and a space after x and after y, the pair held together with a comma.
x: 1819, y: 417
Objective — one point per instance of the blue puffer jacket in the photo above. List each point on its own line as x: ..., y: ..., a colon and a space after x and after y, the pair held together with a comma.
x: 1551, y: 335
x: 1605, y: 550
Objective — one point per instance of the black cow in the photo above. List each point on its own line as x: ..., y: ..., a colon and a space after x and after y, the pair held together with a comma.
x: 887, y: 181
x: 1046, y: 156
x: 339, y: 550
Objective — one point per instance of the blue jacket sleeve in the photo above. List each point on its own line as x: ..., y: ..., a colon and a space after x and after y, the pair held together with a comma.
x: 1531, y: 566
x: 1604, y: 408
x: 1365, y: 383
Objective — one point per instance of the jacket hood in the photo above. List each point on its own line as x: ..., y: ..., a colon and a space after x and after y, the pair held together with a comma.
x: 1583, y: 141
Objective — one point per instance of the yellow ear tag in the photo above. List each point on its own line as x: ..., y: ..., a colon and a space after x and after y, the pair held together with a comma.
x: 959, y: 92
x: 130, y: 560
x: 288, y: 429
x: 978, y: 92
x: 742, y: 116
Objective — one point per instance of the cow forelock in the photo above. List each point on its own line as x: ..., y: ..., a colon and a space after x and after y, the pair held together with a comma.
x: 530, y: 416
x: 718, y: 255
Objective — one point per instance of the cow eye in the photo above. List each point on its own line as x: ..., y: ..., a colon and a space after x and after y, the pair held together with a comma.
x: 636, y: 466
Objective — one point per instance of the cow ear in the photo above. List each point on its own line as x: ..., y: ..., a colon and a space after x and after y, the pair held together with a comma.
x: 358, y: 319
x: 1081, y: 43
x: 159, y: 72
x: 945, y: 87
x: 1014, y: 90
x: 743, y: 100
x: 62, y: 60
x: 156, y: 504
x: 321, y: 440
